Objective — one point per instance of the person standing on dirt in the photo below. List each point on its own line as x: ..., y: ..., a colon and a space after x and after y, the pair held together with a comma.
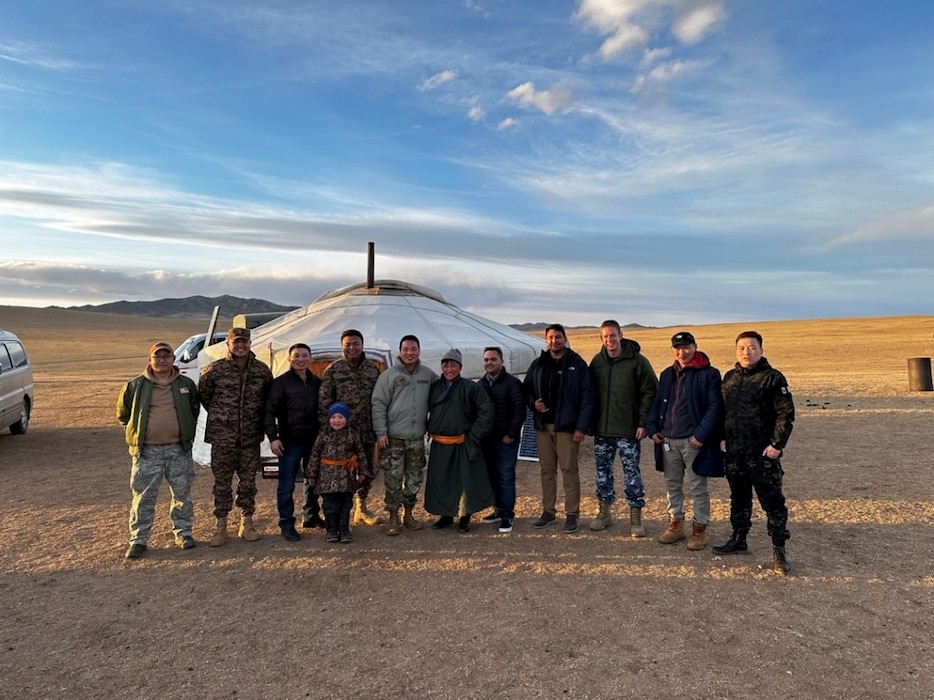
x: 759, y: 416
x: 159, y: 411
x: 501, y: 446
x: 291, y: 423
x: 351, y: 380
x: 626, y: 386
x: 400, y: 421
x: 686, y: 424
x: 233, y: 392
x: 560, y: 391
x: 460, y: 415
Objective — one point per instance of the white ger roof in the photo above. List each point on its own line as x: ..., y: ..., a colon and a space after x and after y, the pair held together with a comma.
x: 384, y: 313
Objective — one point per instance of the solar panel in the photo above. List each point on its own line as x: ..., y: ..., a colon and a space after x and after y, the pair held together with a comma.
x: 528, y: 448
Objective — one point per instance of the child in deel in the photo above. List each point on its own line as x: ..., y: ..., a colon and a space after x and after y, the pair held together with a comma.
x: 337, y: 465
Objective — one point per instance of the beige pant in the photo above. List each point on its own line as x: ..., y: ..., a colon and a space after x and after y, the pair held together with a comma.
x: 558, y: 450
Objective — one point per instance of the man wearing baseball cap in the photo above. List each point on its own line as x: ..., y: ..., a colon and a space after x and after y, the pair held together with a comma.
x: 233, y: 392
x: 159, y: 411
x: 686, y: 424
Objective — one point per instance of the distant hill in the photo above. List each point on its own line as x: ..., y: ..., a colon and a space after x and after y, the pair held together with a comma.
x: 186, y: 307
x: 539, y: 327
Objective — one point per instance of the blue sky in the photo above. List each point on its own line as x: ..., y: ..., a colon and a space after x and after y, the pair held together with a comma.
x: 658, y: 161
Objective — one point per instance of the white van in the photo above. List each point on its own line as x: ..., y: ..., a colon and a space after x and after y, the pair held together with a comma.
x: 16, y: 387
x: 186, y: 354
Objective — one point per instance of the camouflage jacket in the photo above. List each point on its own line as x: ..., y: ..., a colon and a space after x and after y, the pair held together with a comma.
x: 333, y: 445
x: 353, y: 386
x: 759, y: 409
x: 234, y: 400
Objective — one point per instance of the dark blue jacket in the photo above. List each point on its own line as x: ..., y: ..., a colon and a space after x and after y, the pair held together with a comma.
x: 577, y: 394
x: 700, y: 388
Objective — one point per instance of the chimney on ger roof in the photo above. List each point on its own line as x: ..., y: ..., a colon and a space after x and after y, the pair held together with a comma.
x: 370, y: 265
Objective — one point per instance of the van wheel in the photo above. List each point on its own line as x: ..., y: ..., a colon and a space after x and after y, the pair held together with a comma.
x: 22, y: 425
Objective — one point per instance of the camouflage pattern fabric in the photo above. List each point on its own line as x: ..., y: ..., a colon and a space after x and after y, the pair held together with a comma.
x: 403, y: 465
x: 227, y: 460
x: 235, y: 401
x: 604, y: 453
x: 149, y: 466
x: 354, y: 386
x: 765, y: 476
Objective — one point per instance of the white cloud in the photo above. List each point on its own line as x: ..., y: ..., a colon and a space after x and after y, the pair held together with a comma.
x: 652, y: 56
x: 476, y: 114
x: 507, y: 123
x: 663, y: 73
x: 630, y: 24
x: 437, y: 80
x: 29, y: 55
x: 698, y: 21
x: 525, y: 95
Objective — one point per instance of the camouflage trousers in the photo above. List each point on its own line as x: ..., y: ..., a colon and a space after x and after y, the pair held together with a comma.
x: 745, y: 473
x: 403, y: 465
x: 630, y: 451
x: 153, y: 462
x: 363, y: 488
x: 226, y: 460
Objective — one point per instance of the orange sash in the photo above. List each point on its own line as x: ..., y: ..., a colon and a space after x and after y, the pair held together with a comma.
x: 350, y: 462
x: 448, y: 439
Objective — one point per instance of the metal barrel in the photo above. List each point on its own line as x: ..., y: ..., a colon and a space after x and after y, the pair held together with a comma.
x: 919, y: 374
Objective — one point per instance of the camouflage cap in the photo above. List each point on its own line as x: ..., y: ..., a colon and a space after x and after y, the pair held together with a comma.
x: 235, y: 333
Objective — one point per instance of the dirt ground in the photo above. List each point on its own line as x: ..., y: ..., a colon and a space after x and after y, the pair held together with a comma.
x: 532, y: 614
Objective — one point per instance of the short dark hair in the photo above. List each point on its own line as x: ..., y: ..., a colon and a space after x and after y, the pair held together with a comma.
x: 412, y: 338
x: 296, y: 346
x: 494, y: 348
x: 352, y: 332
x: 610, y: 323
x: 556, y: 327
x: 749, y: 334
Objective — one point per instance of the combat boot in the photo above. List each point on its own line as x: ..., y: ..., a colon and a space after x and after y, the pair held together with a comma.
x: 408, y: 519
x: 735, y: 545
x: 604, y: 518
x: 698, y: 538
x: 219, y: 538
x: 247, y: 531
x: 779, y: 562
x: 674, y: 533
x: 361, y: 515
x: 392, y: 527
x: 635, y: 523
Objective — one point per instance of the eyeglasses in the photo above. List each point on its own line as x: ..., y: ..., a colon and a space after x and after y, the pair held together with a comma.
x: 163, y: 358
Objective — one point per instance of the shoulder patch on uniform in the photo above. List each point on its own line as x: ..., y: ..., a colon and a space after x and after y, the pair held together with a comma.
x: 183, y: 390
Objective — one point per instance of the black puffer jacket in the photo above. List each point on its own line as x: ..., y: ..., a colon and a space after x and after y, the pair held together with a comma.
x: 508, y: 405
x: 292, y: 408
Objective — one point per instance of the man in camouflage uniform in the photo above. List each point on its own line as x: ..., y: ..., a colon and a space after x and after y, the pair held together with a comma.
x: 759, y: 417
x: 351, y: 380
x: 400, y: 420
x: 159, y: 410
x: 233, y: 391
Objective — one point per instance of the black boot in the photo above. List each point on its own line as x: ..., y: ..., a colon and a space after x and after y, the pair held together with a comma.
x: 331, y: 524
x: 779, y: 562
x: 463, y: 525
x: 443, y: 522
x: 735, y: 545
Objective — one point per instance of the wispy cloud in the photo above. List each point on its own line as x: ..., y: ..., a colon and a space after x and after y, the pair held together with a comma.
x: 437, y: 80
x: 548, y: 101
x: 36, y: 56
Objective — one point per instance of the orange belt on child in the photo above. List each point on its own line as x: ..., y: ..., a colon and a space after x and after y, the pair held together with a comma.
x: 350, y: 462
x: 448, y: 439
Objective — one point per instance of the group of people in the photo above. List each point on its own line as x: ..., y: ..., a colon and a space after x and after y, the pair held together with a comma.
x: 335, y: 432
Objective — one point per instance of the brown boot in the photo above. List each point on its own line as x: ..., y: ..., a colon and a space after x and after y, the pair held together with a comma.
x: 361, y: 515
x: 219, y: 538
x: 408, y: 519
x: 392, y: 527
x: 247, y: 531
x: 698, y: 538
x: 635, y: 523
x: 604, y: 518
x: 674, y: 533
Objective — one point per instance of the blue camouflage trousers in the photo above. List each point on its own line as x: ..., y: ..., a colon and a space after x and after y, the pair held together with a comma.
x: 604, y: 453
x: 403, y: 465
x: 149, y: 466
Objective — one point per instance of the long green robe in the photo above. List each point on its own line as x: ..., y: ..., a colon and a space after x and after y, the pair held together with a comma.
x: 453, y: 470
